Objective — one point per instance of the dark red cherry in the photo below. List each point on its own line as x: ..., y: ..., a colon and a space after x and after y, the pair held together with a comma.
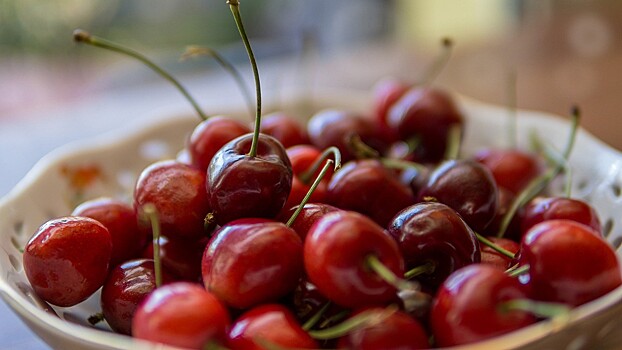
x: 396, y: 330
x: 309, y: 214
x: 252, y: 261
x: 179, y: 256
x: 210, y: 135
x: 242, y: 186
x: 505, y: 199
x: 492, y: 257
x: 178, y: 193
x: 121, y: 221
x: 467, y: 187
x: 182, y: 314
x: 272, y: 323
x: 427, y: 114
x: 67, y: 259
x: 512, y: 169
x: 568, y: 262
x: 469, y: 306
x: 367, y: 187
x: 336, y: 252
x: 387, y: 92
x: 541, y: 209
x: 433, y: 232
x: 285, y: 128
x: 127, y: 285
x: 336, y: 128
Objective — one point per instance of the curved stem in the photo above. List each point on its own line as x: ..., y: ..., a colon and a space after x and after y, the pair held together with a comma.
x: 537, y: 308
x: 365, y: 318
x: 360, y: 149
x: 401, y: 164
x: 152, y: 213
x: 387, y: 275
x: 234, y: 5
x: 517, y: 270
x: 315, y: 184
x: 494, y: 246
x: 82, y: 36
x: 426, y: 268
x: 305, y: 177
x: 192, y: 51
x: 440, y: 62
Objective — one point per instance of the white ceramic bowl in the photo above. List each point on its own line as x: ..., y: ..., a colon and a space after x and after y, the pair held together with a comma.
x: 109, y: 166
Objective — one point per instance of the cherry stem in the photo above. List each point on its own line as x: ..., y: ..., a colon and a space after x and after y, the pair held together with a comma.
x: 82, y: 36
x: 96, y: 318
x: 494, y: 246
x: 192, y: 51
x: 388, y: 276
x: 401, y: 164
x: 305, y: 177
x: 152, y: 213
x: 537, y: 308
x: 313, y: 320
x: 516, y: 271
x: 426, y: 268
x: 539, y: 183
x: 360, y: 149
x: 234, y: 5
x: 453, y: 142
x: 362, y: 319
x: 440, y: 62
x: 318, y: 179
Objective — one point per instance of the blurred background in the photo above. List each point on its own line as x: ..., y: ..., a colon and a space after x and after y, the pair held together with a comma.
x: 53, y: 91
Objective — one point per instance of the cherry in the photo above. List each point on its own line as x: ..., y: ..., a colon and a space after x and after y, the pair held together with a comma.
x: 181, y: 314
x: 121, y: 221
x: 568, y: 262
x: 394, y: 330
x: 505, y: 200
x: 240, y: 185
x: 126, y: 286
x: 210, y: 135
x: 548, y: 208
x: 467, y: 187
x: 512, y: 169
x: 268, y: 325
x: 336, y: 257
x: 180, y: 257
x: 178, y: 192
x: 367, y: 187
x: 386, y: 93
x: 493, y: 257
x: 469, y: 306
x: 434, y: 233
x: 252, y: 261
x: 284, y: 128
x: 309, y: 214
x: 67, y: 259
x: 427, y: 114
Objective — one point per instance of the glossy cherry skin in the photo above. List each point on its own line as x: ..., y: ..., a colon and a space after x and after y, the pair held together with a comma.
x: 386, y: 93
x: 468, y: 306
x: 336, y: 128
x: 396, y: 331
x: 335, y: 257
x: 67, y: 259
x: 494, y: 258
x: 467, y: 187
x: 178, y: 192
x: 272, y: 323
x: 302, y: 158
x: 285, y: 128
x: 181, y: 314
x: 434, y: 232
x: 127, y: 285
x: 309, y: 214
x: 541, y: 209
x: 241, y: 186
x: 512, y: 169
x: 428, y: 114
x: 179, y: 256
x: 367, y: 187
x: 121, y: 221
x: 210, y: 135
x: 568, y: 262
x: 252, y: 261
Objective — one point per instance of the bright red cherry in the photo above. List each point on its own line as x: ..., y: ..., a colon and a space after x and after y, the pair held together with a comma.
x: 468, y: 306
x: 387, y: 92
x: 210, y: 135
x: 67, y: 259
x: 541, y: 209
x: 309, y: 214
x: 568, y: 262
x: 336, y: 253
x: 181, y: 314
x: 252, y: 261
x: 271, y: 323
x: 512, y: 169
x: 284, y: 128
x: 492, y: 257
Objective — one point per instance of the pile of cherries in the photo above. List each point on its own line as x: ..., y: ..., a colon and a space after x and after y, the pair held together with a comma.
x: 406, y: 246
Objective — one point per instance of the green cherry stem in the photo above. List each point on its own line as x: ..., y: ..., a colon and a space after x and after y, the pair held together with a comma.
x: 234, y: 6
x: 193, y: 51
x: 440, y: 62
x: 313, y: 320
x: 82, y: 36
x: 454, y: 140
x: 537, y: 308
x: 494, y: 246
x: 388, y: 276
x: 426, y: 268
x: 306, y: 176
x: 329, y: 163
x: 152, y: 213
x: 365, y: 318
x: 516, y: 271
